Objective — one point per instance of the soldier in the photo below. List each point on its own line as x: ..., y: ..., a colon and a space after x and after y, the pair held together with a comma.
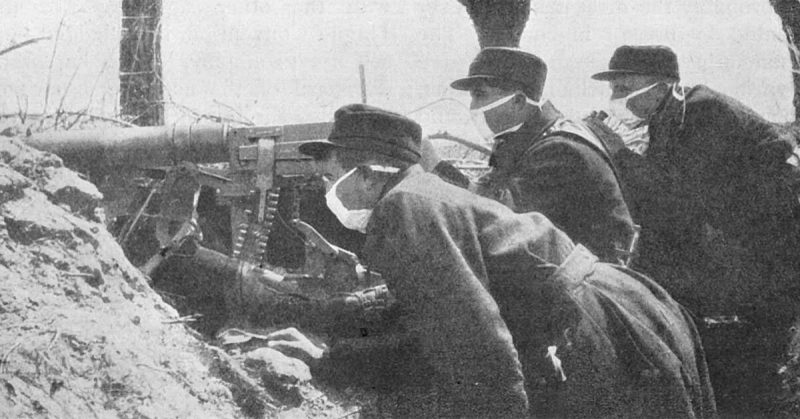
x: 714, y: 187
x: 594, y: 339
x: 542, y: 161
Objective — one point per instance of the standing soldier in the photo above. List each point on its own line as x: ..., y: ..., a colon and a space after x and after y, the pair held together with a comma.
x: 542, y: 161
x: 714, y: 187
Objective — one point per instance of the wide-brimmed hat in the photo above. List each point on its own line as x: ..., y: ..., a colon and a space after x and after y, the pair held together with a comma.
x: 649, y: 60
x: 364, y: 127
x: 506, y: 64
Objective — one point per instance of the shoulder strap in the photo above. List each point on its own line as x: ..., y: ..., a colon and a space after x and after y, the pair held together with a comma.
x: 584, y: 134
x: 580, y: 133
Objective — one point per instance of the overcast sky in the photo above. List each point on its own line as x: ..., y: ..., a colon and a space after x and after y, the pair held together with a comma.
x: 290, y: 61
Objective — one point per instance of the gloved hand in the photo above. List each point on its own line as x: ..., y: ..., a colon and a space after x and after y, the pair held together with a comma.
x: 595, y: 122
x: 635, y: 139
x: 292, y: 343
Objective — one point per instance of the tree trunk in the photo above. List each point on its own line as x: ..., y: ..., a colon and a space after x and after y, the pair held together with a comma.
x: 789, y: 12
x: 141, y: 91
x: 499, y: 23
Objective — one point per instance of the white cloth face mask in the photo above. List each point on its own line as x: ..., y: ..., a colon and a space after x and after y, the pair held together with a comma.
x: 355, y: 219
x: 479, y: 117
x: 619, y: 107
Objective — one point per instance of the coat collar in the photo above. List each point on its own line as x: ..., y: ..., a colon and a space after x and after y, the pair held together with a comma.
x: 412, y: 170
x: 668, y: 121
x: 509, y: 147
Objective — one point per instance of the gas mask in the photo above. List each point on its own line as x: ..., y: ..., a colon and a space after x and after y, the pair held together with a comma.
x: 353, y: 219
x: 618, y: 107
x: 479, y: 117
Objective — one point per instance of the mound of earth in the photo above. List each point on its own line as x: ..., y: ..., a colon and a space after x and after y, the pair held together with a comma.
x: 84, y: 335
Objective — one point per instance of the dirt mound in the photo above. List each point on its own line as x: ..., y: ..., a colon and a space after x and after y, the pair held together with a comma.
x: 84, y: 335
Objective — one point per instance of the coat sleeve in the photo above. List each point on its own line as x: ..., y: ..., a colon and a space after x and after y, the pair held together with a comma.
x: 416, y: 243
x: 764, y: 203
x: 551, y: 174
x: 575, y: 187
x: 653, y: 194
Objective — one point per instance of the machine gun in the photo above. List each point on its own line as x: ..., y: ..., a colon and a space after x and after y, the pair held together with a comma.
x: 232, y: 196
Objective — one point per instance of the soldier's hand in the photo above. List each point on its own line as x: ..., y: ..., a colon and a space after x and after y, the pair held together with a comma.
x: 430, y: 158
x: 613, y: 141
x: 291, y: 342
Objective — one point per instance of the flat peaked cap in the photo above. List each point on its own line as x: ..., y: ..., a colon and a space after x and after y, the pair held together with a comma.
x: 367, y: 128
x: 506, y: 64
x: 650, y: 60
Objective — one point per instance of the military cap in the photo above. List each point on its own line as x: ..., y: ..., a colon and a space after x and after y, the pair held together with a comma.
x: 506, y: 64
x: 367, y: 128
x: 650, y: 60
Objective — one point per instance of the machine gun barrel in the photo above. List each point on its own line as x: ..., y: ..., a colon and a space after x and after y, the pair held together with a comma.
x: 102, y: 150
x: 105, y: 151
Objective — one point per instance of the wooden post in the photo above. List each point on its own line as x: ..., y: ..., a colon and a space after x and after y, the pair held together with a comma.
x: 363, y: 78
x: 141, y: 90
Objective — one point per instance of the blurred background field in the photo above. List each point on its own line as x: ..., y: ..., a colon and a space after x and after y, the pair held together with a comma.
x: 292, y: 61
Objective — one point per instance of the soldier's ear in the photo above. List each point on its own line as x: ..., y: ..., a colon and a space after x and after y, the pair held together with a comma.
x: 521, y: 106
x: 370, y: 176
x: 662, y: 91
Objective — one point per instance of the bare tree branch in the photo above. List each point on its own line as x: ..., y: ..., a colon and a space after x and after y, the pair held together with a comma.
x: 50, y: 67
x: 72, y: 113
x: 469, y: 144
x: 23, y: 43
x: 60, y: 109
x: 232, y: 109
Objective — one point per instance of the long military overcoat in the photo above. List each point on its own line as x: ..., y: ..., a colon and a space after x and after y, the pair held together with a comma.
x: 565, y: 179
x: 716, y: 173
x: 486, y: 288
